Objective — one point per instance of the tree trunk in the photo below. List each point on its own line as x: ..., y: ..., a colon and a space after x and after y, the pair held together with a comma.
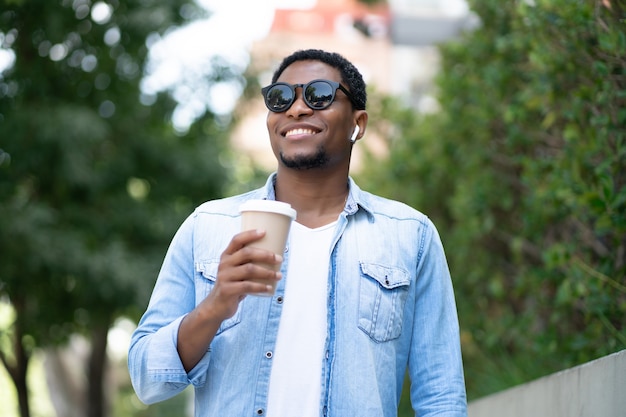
x: 19, y: 377
x: 18, y: 370
x: 96, y: 399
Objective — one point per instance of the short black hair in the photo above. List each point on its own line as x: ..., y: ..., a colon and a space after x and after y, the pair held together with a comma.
x: 350, y: 75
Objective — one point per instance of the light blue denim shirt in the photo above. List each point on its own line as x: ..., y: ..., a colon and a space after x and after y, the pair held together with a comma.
x: 390, y: 306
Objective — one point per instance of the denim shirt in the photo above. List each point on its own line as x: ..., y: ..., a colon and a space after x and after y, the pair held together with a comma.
x: 391, y: 308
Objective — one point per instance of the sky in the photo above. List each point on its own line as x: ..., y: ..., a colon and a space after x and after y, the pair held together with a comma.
x: 176, y: 62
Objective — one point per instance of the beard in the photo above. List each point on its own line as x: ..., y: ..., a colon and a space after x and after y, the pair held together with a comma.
x: 304, y: 162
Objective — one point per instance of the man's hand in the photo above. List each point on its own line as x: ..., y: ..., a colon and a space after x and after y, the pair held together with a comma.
x: 239, y: 274
x: 236, y: 276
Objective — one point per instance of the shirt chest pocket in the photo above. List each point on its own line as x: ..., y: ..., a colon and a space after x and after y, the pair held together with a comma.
x: 382, y: 296
x: 205, y: 278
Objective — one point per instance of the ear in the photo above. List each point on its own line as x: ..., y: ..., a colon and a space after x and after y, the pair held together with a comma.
x: 359, y: 125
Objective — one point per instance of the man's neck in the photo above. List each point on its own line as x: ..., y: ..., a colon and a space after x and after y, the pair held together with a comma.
x: 318, y: 199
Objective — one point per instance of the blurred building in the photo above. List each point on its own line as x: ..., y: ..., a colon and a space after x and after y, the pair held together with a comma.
x: 392, y: 44
x: 358, y: 32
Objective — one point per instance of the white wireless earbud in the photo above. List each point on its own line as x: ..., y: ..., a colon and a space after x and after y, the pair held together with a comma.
x: 355, y: 133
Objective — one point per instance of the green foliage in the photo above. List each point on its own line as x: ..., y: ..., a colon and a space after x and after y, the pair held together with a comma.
x: 93, y: 183
x: 524, y: 172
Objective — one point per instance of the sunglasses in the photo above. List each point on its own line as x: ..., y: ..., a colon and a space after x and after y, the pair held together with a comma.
x: 317, y: 94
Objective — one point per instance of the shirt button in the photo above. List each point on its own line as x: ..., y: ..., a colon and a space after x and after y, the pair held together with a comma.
x: 279, y: 299
x: 259, y: 411
x: 268, y: 354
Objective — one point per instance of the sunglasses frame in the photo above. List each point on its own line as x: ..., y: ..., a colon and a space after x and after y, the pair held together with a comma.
x: 333, y: 84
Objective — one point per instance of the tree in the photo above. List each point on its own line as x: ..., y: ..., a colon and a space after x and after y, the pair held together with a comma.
x: 93, y: 182
x: 523, y: 171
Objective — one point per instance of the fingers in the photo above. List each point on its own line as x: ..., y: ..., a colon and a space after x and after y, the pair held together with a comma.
x: 235, y: 281
x: 245, y: 269
x: 240, y: 288
x: 264, y: 273
x: 241, y: 251
x: 242, y: 239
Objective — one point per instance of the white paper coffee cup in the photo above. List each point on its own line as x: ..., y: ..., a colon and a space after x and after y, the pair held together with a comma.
x: 275, y: 218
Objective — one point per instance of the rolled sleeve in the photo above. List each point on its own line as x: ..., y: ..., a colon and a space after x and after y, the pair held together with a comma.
x: 155, y: 368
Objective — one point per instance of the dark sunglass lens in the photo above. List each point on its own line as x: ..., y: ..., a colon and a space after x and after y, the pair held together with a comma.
x: 319, y: 95
x: 278, y: 98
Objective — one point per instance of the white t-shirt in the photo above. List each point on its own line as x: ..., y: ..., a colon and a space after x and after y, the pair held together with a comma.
x: 295, y: 380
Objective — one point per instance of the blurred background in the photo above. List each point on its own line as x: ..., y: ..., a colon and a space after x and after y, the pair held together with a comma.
x: 503, y: 121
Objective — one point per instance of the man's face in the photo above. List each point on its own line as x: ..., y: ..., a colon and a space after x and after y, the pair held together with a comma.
x: 303, y: 138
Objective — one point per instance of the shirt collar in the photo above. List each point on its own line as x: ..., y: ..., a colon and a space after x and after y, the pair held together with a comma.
x: 357, y: 198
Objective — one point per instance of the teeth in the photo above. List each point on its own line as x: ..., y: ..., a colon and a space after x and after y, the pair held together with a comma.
x: 299, y: 132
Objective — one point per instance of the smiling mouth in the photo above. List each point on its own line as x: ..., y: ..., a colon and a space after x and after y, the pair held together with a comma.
x: 294, y: 132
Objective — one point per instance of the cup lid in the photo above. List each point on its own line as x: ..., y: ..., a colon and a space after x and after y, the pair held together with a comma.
x: 273, y: 206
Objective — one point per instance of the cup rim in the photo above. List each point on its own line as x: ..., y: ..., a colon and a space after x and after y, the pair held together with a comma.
x: 272, y: 206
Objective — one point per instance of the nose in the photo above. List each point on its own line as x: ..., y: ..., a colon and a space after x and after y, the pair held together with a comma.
x: 299, y: 107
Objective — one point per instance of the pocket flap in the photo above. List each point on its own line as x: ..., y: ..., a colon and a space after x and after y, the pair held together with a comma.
x: 208, y: 269
x: 388, y: 277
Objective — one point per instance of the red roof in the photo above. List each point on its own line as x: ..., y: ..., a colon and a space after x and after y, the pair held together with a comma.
x: 323, y: 16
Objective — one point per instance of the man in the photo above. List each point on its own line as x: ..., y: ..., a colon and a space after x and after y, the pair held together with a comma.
x: 363, y: 294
